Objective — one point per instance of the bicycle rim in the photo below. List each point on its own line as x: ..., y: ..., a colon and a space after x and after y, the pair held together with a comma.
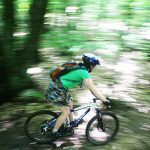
x: 39, y: 125
x: 96, y: 135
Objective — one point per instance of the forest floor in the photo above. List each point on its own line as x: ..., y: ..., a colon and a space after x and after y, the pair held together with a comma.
x: 122, y: 77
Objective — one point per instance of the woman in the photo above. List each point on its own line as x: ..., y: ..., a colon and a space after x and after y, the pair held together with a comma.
x: 59, y: 94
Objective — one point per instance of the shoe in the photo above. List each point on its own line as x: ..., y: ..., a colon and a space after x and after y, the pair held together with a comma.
x: 56, y: 134
x: 68, y: 132
x: 76, y: 122
x: 64, y: 133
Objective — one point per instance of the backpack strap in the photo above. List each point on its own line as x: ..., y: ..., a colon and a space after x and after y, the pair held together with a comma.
x: 68, y: 68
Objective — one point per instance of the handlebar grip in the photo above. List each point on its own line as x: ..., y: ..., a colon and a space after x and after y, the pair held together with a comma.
x: 108, y: 98
x: 106, y: 103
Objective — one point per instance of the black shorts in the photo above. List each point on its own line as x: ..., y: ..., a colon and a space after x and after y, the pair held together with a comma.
x: 57, y: 94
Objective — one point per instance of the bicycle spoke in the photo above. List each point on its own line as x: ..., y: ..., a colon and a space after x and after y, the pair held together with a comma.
x: 39, y: 126
x: 98, y: 134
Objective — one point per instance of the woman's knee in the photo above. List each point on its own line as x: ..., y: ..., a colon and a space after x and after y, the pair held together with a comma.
x: 65, y: 110
x: 71, y: 104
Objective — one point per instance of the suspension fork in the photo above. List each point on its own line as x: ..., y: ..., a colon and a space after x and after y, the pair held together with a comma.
x: 100, y: 119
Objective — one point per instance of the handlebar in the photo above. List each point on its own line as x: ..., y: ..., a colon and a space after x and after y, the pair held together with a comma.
x: 107, y: 103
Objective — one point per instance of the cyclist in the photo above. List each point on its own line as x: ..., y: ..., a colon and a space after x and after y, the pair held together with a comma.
x: 59, y: 94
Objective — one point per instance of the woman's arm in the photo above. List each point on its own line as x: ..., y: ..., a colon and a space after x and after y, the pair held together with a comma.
x: 90, y: 85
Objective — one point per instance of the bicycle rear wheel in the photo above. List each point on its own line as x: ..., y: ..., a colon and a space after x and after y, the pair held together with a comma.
x: 98, y: 136
x: 39, y: 125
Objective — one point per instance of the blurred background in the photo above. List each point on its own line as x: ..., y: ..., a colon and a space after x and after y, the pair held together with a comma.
x: 36, y: 35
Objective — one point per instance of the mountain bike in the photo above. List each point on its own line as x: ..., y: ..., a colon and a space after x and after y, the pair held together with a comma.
x: 101, y: 129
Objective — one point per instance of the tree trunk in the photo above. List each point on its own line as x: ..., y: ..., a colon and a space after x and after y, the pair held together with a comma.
x: 13, y: 64
x: 7, y: 53
x: 37, y: 12
x: 4, y: 75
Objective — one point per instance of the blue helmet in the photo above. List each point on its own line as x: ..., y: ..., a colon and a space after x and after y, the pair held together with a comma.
x: 90, y: 59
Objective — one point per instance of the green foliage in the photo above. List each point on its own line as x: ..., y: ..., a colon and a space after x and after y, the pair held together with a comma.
x: 70, y: 28
x: 74, y: 35
x: 31, y: 94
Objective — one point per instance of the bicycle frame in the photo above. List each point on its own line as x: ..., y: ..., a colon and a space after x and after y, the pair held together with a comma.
x: 88, y: 107
x: 92, y: 105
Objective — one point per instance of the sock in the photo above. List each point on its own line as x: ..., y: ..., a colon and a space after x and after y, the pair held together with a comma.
x: 55, y: 130
x: 71, y: 121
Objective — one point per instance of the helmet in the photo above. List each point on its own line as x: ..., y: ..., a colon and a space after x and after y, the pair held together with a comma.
x: 90, y: 59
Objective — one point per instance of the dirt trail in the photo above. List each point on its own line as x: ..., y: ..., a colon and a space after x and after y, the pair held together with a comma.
x: 126, y: 82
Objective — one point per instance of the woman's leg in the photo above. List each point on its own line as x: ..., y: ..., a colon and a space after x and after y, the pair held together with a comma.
x: 71, y: 114
x: 65, y: 112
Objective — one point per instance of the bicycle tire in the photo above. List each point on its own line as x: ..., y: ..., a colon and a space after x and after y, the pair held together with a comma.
x: 39, y: 117
x: 104, y: 137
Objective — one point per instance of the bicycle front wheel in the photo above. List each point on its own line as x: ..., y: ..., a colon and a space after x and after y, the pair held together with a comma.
x: 100, y: 133
x: 39, y: 125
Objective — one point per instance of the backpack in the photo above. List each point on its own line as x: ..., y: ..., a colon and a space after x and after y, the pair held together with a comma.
x: 57, y: 72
